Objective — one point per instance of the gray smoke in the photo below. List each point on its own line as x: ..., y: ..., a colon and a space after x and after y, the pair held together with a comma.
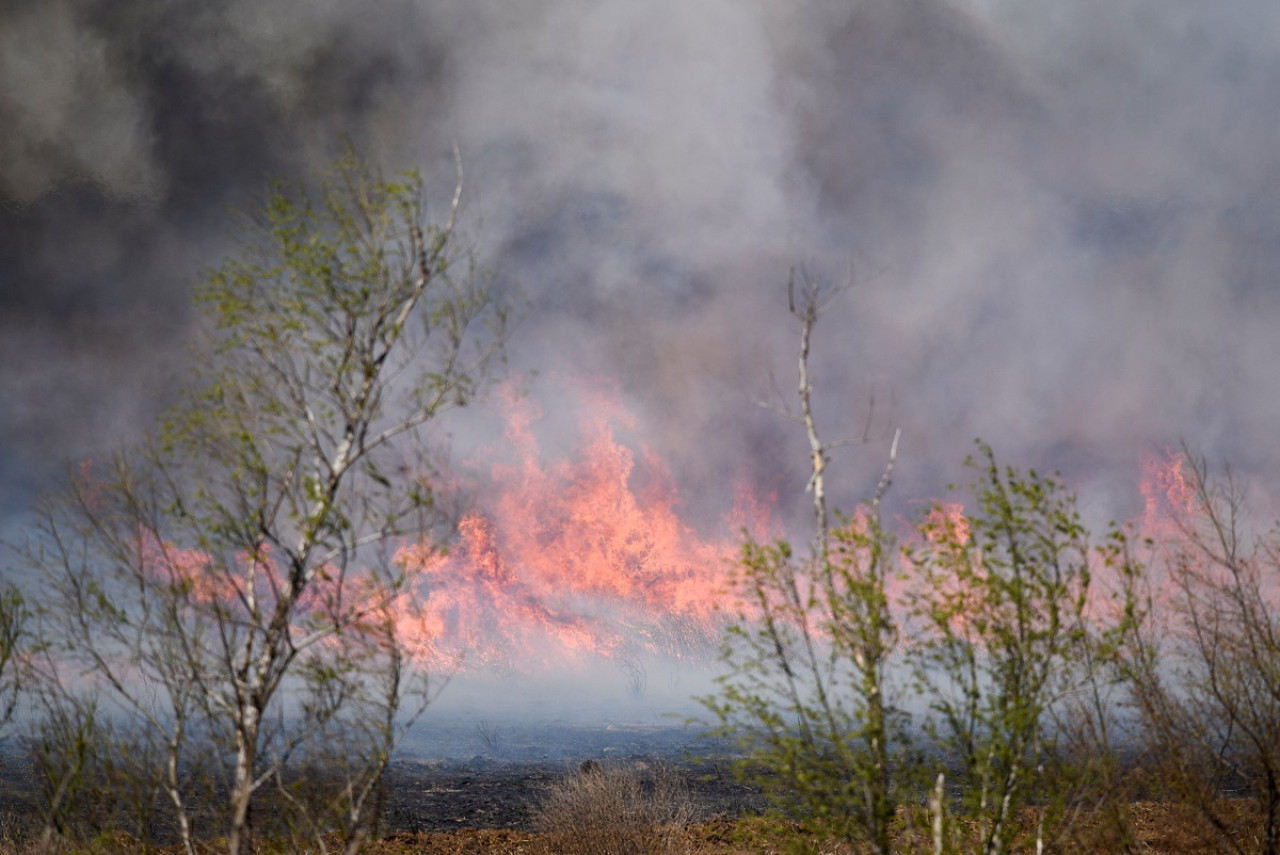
x: 1062, y: 221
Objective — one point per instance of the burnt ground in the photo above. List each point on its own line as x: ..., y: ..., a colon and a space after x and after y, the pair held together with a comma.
x: 474, y: 787
x: 452, y: 797
x: 478, y: 774
x: 501, y: 785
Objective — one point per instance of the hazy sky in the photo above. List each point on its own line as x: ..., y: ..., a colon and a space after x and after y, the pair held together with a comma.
x: 1061, y: 219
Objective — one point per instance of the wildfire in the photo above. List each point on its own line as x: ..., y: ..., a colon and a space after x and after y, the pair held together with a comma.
x: 946, y: 522
x: 584, y: 555
x: 571, y: 556
x: 1169, y: 500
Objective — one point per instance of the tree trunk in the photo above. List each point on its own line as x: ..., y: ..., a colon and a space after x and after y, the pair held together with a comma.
x: 239, y: 833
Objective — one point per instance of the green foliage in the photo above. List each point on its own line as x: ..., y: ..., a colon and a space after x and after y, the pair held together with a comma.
x: 247, y: 553
x: 804, y: 689
x: 1009, y: 640
x: 1008, y: 626
x: 343, y: 321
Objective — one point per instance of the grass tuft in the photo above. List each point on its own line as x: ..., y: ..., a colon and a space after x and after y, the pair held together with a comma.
x: 616, y: 809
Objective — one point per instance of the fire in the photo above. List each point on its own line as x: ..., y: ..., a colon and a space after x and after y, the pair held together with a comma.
x: 947, y: 522
x: 574, y: 556
x: 562, y: 558
x: 1202, y: 540
x: 1169, y: 501
x: 584, y: 554
x: 247, y: 587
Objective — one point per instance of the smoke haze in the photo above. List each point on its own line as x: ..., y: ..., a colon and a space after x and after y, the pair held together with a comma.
x: 1062, y: 221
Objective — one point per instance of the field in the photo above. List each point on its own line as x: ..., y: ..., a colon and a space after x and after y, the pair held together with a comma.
x: 491, y: 789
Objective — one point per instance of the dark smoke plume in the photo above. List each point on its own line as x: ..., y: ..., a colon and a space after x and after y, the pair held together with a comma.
x: 1062, y: 220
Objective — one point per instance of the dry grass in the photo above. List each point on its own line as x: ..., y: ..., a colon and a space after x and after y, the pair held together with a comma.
x: 620, y: 809
x: 18, y: 834
x: 616, y: 809
x: 1159, y: 829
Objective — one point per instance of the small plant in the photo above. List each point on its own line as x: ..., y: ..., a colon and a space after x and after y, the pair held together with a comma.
x: 13, y: 632
x: 636, y: 675
x: 612, y: 809
x: 490, y: 736
x: 18, y: 833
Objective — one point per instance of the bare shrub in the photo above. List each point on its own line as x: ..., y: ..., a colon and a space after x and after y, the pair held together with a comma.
x: 636, y: 675
x: 612, y: 809
x: 18, y: 832
x: 1203, y: 677
x: 490, y: 736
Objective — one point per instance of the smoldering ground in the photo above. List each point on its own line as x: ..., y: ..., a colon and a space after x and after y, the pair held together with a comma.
x: 1062, y: 220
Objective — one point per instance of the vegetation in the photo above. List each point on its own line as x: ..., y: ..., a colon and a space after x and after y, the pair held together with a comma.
x: 1034, y: 653
x: 14, y: 619
x: 615, y: 809
x: 223, y: 603
x: 804, y: 693
x: 1011, y: 647
x: 1008, y: 629
x: 1205, y: 678
x: 1165, y: 828
x: 221, y: 651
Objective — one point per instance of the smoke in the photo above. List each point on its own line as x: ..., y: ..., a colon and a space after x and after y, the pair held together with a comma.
x: 1059, y: 220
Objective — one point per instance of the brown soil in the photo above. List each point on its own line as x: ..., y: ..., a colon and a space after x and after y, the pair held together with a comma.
x: 1160, y: 829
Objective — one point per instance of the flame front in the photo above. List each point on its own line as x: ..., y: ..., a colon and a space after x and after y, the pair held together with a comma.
x: 573, y: 557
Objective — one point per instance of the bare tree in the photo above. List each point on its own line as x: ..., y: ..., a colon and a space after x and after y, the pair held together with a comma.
x: 235, y: 577
x: 1205, y: 675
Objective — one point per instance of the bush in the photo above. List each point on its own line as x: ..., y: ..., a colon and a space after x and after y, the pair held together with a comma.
x: 612, y: 809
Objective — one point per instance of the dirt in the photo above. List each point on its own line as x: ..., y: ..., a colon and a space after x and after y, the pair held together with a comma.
x: 424, y: 796
x: 492, y: 776
x: 476, y: 789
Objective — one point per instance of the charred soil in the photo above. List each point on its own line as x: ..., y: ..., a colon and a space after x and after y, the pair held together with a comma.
x: 487, y: 802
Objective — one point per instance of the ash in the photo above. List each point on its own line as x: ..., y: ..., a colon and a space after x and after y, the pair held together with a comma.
x: 468, y: 772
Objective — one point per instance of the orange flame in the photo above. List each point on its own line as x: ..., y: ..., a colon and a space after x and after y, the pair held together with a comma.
x: 1188, y: 525
x: 1169, y: 501
x: 585, y: 554
x: 249, y: 586
x: 578, y: 556
x: 947, y: 522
